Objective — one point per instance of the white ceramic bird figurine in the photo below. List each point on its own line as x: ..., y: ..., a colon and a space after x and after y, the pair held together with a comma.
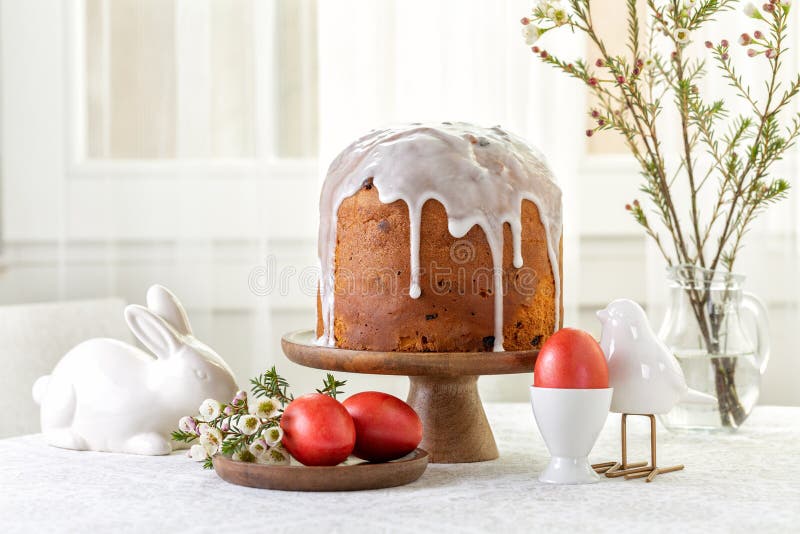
x: 106, y: 395
x: 644, y: 373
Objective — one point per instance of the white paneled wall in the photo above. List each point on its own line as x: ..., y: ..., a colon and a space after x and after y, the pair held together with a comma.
x: 95, y: 202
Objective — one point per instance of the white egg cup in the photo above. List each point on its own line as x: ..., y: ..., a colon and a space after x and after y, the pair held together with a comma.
x: 570, y: 420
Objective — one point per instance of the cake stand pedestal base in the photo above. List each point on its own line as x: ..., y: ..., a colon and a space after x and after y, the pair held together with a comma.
x: 456, y: 427
x: 444, y: 389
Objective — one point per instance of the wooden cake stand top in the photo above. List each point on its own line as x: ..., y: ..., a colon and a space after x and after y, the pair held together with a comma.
x: 300, y: 347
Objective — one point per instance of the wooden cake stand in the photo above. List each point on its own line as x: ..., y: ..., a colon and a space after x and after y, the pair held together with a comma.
x: 443, y: 391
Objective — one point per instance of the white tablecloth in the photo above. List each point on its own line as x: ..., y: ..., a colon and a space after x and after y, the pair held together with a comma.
x: 748, y: 481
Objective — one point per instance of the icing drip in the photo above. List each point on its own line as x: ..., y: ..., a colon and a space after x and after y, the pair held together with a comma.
x: 480, y: 176
x: 415, y: 223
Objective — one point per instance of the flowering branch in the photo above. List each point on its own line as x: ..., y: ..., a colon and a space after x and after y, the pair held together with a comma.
x: 735, y: 152
x: 248, y: 428
x: 630, y: 92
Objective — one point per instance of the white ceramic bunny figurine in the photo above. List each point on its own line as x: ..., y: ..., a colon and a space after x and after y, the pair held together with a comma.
x: 106, y: 395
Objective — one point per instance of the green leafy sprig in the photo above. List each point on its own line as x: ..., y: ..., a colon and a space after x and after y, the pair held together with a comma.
x: 271, y: 384
x: 330, y: 386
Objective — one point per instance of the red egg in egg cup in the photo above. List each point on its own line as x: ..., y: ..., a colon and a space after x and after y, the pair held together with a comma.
x: 570, y: 399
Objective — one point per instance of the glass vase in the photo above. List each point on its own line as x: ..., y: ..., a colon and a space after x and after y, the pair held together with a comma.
x: 720, y: 336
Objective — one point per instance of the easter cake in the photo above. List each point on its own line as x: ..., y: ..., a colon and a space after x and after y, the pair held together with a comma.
x: 441, y: 237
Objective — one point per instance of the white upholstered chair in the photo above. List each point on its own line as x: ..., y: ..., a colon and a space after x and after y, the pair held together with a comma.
x: 33, y: 337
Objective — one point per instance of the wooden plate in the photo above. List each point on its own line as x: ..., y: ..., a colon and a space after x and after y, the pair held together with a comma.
x: 352, y: 477
x: 300, y: 347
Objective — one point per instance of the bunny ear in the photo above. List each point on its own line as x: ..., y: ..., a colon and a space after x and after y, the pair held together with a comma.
x: 165, y: 304
x: 153, y: 331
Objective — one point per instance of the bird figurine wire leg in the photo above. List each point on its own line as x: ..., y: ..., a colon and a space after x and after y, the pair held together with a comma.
x: 623, y: 467
x: 636, y: 469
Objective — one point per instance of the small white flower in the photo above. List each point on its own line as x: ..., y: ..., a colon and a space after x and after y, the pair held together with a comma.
x: 273, y: 435
x: 751, y: 10
x: 187, y: 424
x: 216, y: 433
x: 239, y: 398
x: 203, y: 428
x: 198, y: 453
x: 278, y: 456
x: 243, y: 456
x: 225, y: 424
x: 682, y: 35
x: 560, y: 17
x: 209, y: 446
x: 258, y: 448
x: 557, y: 13
x: 264, y: 408
x: 531, y: 34
x: 210, y: 409
x: 248, y: 424
x: 211, y: 441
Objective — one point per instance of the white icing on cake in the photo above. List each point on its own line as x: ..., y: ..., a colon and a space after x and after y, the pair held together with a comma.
x: 480, y: 175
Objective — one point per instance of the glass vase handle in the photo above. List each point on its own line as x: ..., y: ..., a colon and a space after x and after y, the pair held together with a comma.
x: 758, y: 311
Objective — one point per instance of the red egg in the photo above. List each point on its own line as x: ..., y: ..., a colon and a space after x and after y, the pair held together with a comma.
x: 318, y: 430
x: 386, y: 427
x: 571, y: 359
